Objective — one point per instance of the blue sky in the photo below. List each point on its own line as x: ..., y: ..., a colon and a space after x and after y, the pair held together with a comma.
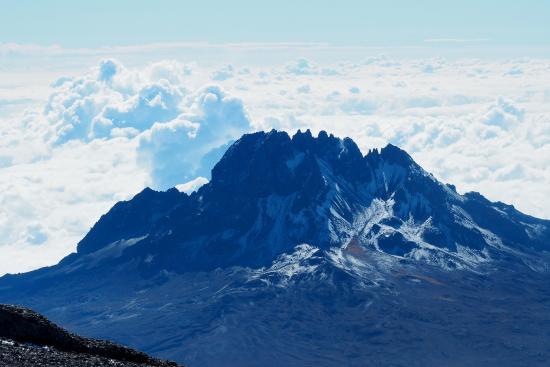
x: 488, y: 23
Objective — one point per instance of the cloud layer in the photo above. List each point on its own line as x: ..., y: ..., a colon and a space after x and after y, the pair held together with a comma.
x: 74, y: 148
x: 100, y: 138
x: 180, y: 133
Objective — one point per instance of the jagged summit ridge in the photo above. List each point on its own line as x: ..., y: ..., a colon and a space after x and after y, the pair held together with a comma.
x: 271, y: 192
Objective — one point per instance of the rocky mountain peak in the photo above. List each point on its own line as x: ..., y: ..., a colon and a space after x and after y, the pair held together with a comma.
x: 271, y: 192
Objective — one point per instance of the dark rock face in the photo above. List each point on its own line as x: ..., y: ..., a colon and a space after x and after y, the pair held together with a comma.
x: 302, y: 251
x: 29, y: 339
x: 133, y: 218
x: 271, y: 192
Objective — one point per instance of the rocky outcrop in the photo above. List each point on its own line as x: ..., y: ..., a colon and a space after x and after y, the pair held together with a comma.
x: 29, y: 339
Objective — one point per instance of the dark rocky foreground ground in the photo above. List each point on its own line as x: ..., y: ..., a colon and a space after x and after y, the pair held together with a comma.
x: 29, y: 339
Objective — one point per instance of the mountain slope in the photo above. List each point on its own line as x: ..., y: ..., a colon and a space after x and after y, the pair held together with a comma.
x: 302, y: 251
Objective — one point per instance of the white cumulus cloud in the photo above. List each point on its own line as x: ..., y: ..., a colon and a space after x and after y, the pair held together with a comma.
x: 100, y: 138
x: 80, y: 143
x: 189, y: 145
x: 113, y: 100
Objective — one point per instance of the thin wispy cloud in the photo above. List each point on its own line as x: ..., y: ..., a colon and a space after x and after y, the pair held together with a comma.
x: 456, y: 40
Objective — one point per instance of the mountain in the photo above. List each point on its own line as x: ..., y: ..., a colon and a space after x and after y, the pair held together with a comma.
x: 301, y: 251
x: 28, y: 339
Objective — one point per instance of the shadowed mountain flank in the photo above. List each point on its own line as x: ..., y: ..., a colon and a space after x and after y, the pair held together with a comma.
x: 302, y: 251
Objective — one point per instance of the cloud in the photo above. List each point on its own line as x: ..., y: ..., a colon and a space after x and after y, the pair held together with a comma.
x: 47, y: 205
x: 107, y: 69
x: 192, y: 185
x: 456, y: 40
x: 515, y: 70
x: 180, y: 133
x: 189, y: 145
x: 101, y: 138
x: 503, y: 114
x: 511, y: 172
x: 358, y: 106
x: 224, y: 73
x: 301, y: 67
x: 111, y: 99
x: 304, y: 89
x: 35, y: 234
